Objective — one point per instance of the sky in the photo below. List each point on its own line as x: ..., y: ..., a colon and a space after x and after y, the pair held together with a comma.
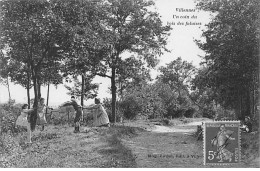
x: 180, y: 43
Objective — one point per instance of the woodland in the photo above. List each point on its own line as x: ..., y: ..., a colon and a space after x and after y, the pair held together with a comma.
x: 47, y: 42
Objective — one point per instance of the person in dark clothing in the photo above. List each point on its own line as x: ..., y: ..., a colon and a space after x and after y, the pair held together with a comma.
x: 78, y: 112
x: 247, y: 127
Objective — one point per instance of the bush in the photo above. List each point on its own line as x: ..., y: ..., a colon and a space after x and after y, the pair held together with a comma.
x: 9, y: 114
x: 208, y: 113
x: 9, y: 150
x: 131, y: 107
x: 224, y: 114
x: 189, y: 112
x: 177, y: 113
x: 166, y: 121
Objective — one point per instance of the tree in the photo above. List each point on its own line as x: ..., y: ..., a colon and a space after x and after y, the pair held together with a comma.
x: 178, y: 75
x: 86, y: 47
x: 51, y: 74
x: 204, y: 95
x: 17, y: 71
x: 232, y: 56
x: 90, y: 89
x: 32, y: 35
x: 143, y: 99
x: 128, y: 25
x: 132, y: 73
x: 4, y: 73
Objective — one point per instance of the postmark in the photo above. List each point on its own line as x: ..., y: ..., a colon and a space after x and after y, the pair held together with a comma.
x: 222, y: 143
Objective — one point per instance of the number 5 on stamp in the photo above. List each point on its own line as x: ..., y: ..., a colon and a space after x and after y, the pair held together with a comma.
x: 222, y: 143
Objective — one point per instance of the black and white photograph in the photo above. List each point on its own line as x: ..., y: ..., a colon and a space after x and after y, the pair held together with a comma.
x: 129, y: 83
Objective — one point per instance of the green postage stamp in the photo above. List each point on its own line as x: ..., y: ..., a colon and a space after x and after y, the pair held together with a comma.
x: 222, y: 143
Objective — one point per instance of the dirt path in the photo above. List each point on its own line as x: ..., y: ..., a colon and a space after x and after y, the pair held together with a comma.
x: 163, y: 146
x: 119, y: 146
x: 166, y: 150
x: 175, y: 129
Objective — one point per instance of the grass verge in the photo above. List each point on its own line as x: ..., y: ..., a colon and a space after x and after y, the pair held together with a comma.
x: 250, y: 149
x: 119, y: 156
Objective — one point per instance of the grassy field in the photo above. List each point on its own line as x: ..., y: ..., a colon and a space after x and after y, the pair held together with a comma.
x: 123, y: 145
x: 57, y: 146
x: 168, y: 149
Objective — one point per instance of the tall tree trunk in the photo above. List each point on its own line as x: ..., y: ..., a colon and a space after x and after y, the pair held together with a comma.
x: 256, y: 95
x: 248, y: 102
x: 28, y: 97
x: 8, y: 87
x: 28, y: 90
x: 48, y: 91
x: 35, y: 88
x: 33, y: 116
x: 113, y: 88
x: 39, y: 88
x: 251, y: 97
x: 241, y: 105
x: 82, y: 89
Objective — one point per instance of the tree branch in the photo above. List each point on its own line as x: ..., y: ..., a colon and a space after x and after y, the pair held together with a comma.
x: 103, y: 75
x: 43, y: 56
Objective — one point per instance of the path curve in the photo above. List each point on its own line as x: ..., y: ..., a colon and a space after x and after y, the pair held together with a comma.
x: 182, y: 128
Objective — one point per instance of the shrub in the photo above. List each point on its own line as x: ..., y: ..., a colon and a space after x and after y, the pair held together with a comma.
x: 224, y: 114
x: 9, y: 150
x: 131, y: 107
x: 189, y: 112
x: 166, y: 121
x: 9, y: 114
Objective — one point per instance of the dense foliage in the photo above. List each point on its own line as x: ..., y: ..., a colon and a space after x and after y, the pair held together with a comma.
x: 48, y: 38
x: 231, y: 64
x: 52, y: 40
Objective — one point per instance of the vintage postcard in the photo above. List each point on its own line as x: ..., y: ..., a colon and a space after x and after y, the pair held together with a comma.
x: 129, y: 83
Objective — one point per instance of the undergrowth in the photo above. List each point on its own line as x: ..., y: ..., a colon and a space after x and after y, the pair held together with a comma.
x: 120, y: 155
x: 250, y: 147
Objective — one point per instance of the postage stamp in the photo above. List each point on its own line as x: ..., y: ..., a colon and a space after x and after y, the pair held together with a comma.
x: 222, y: 143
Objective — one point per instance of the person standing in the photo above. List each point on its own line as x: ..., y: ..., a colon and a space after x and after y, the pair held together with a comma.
x: 247, y: 126
x: 221, y: 140
x: 41, y: 119
x: 78, y: 112
x: 100, y: 115
x: 23, y: 120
